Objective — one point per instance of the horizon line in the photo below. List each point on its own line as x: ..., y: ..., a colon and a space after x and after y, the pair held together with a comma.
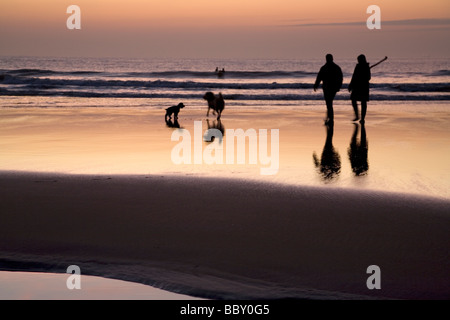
x: 417, y: 22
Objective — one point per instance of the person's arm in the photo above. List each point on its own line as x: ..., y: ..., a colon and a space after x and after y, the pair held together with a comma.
x: 350, y: 85
x: 318, y: 80
x: 341, y: 79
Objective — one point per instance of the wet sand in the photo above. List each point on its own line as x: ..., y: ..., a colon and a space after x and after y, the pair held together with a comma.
x: 406, y: 144
x: 99, y: 189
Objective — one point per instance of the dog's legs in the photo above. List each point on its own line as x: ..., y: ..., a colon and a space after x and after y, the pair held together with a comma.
x: 207, y: 114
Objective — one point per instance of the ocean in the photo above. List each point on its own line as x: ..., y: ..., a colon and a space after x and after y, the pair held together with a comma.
x: 40, y: 82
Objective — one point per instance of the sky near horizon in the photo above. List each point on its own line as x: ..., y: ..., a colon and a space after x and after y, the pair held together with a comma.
x: 225, y: 28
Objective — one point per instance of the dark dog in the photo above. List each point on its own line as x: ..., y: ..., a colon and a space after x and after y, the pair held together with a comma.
x: 174, y: 110
x: 216, y: 103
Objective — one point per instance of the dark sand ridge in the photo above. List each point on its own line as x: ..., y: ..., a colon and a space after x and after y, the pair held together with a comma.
x: 219, y: 238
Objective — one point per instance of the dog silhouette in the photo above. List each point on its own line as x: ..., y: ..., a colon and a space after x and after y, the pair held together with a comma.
x: 216, y: 103
x: 174, y: 110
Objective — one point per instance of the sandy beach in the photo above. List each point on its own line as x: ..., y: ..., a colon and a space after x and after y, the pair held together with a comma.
x: 223, y: 239
x: 99, y: 190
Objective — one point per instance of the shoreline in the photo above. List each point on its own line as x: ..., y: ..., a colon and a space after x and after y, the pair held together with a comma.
x: 183, y: 234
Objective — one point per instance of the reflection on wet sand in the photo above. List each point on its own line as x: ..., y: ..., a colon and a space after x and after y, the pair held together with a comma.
x: 136, y: 141
x: 172, y: 124
x: 211, y: 133
x: 358, y: 152
x: 329, y: 165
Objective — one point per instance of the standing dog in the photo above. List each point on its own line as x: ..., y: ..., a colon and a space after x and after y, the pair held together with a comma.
x: 216, y: 103
x: 173, y: 110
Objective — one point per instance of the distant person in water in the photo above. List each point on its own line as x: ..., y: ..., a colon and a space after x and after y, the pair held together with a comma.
x: 330, y: 75
x: 359, y: 87
x: 220, y: 73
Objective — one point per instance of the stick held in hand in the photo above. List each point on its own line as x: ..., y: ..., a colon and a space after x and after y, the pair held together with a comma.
x: 385, y: 58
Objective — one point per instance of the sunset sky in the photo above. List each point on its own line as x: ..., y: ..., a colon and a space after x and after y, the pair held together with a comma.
x: 224, y: 28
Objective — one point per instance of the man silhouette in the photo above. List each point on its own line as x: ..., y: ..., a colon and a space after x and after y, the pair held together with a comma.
x: 330, y: 75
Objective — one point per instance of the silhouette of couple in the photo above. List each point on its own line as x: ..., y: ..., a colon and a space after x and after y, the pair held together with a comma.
x: 330, y: 75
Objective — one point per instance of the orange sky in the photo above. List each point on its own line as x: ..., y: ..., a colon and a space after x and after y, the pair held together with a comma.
x: 26, y: 24
x: 217, y: 12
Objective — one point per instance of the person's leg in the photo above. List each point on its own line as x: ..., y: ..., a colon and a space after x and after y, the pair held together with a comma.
x: 330, y: 112
x: 363, y: 110
x: 329, y: 97
x: 355, y: 109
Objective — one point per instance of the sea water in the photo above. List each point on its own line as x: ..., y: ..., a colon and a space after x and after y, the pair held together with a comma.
x: 249, y: 83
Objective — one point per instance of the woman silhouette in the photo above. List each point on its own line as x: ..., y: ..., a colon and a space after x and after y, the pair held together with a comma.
x: 359, y: 87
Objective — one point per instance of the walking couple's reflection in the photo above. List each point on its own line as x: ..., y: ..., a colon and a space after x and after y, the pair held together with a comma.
x: 329, y: 164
